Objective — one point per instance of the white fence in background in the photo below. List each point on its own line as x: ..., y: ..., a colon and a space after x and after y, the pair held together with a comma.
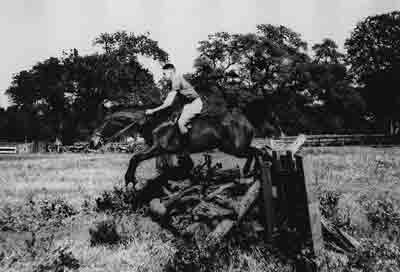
x: 331, y: 140
x: 8, y: 150
x: 21, y: 148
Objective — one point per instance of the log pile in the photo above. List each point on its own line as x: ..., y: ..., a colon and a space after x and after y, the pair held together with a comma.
x: 208, y: 205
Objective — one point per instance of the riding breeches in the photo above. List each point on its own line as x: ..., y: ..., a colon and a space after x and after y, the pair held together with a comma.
x: 189, y: 111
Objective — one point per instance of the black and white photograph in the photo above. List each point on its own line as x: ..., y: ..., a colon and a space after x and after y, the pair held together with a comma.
x: 204, y: 136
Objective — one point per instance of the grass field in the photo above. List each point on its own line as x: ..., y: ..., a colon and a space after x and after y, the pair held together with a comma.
x: 47, y: 207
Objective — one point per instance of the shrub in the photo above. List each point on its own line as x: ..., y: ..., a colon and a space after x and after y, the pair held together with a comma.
x: 58, y: 260
x: 370, y: 257
x: 104, y: 232
x: 376, y: 256
x: 351, y: 215
x: 329, y: 200
x: 115, y: 201
x: 382, y: 214
x: 55, y: 209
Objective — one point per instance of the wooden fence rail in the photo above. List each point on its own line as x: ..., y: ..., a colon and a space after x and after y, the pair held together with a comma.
x: 332, y: 140
x: 22, y: 148
x: 8, y: 150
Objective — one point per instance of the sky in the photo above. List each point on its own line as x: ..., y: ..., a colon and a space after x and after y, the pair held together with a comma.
x: 35, y: 30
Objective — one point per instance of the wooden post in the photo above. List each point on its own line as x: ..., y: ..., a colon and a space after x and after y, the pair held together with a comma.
x: 314, y: 217
x: 296, y: 145
x: 266, y: 184
x: 271, y: 143
x: 287, y: 180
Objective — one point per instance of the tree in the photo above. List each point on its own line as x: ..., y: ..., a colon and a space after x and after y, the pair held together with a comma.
x: 250, y: 62
x: 114, y: 76
x: 99, y: 79
x: 327, y: 52
x: 341, y: 106
x: 39, y: 93
x: 381, y: 93
x: 374, y: 45
x: 122, y: 77
x: 67, y: 95
x: 373, y: 51
x: 270, y: 76
x: 244, y: 68
x: 127, y: 46
x: 19, y: 124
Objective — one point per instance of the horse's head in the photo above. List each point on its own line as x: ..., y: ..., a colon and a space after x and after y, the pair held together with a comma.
x: 96, y: 141
x: 117, y: 124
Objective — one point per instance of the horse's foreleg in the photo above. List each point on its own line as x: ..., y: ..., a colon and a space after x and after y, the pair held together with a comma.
x: 185, y: 161
x: 247, y: 165
x: 149, y: 153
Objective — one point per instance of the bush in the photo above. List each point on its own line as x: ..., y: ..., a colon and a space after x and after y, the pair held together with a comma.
x: 370, y: 257
x: 227, y: 258
x: 58, y: 260
x: 382, y: 214
x: 352, y: 216
x: 104, y: 232
x: 117, y: 200
x: 328, y: 203
x: 55, y: 209
x: 376, y: 256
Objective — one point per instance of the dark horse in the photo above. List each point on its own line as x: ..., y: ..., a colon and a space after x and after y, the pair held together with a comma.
x: 229, y: 131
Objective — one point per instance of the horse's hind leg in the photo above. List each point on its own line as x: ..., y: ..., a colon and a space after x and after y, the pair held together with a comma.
x: 149, y: 153
x: 252, y: 155
x: 247, y: 165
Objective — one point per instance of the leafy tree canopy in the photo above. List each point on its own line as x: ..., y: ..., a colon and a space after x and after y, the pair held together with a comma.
x: 373, y: 52
x: 68, y: 94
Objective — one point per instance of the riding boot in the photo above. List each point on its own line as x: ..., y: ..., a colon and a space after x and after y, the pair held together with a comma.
x: 183, y: 137
x: 185, y: 141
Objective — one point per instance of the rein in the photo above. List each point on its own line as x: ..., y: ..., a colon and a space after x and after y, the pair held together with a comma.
x: 118, y: 133
x: 123, y: 130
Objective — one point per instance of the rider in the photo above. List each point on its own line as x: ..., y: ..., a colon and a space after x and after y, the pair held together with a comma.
x: 192, y: 100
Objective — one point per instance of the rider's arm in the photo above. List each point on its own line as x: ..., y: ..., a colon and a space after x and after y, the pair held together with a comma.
x: 167, y: 102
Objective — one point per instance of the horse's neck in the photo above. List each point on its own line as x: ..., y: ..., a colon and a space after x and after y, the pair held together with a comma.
x: 155, y: 121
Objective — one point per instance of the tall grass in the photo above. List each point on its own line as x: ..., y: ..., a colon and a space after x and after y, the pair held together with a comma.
x: 359, y: 190
x: 47, y: 209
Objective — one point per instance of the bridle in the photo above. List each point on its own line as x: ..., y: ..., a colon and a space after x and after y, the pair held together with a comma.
x: 100, y: 136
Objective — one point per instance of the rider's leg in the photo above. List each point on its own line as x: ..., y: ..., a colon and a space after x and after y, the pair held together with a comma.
x: 189, y: 111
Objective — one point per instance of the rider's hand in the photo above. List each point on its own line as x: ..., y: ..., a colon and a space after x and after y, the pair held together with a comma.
x: 148, y: 112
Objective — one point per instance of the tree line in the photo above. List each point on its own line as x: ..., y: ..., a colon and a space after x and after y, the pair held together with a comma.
x: 270, y: 74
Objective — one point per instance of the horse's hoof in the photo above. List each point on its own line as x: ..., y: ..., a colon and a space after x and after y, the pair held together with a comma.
x: 130, y: 185
x: 128, y: 180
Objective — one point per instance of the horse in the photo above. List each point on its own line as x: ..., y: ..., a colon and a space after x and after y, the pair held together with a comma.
x: 229, y: 131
